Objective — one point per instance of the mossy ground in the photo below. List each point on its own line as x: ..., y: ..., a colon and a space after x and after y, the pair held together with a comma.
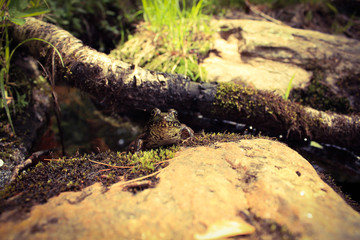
x: 51, y: 177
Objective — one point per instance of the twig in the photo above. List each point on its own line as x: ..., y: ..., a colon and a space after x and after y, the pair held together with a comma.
x: 19, y: 167
x: 140, y: 178
x: 261, y: 14
x: 158, y: 163
x: 48, y: 159
x: 104, y: 170
x: 108, y: 165
x: 26, y: 162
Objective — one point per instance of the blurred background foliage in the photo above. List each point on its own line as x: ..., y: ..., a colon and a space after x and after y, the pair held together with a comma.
x: 99, y: 24
x: 179, y: 30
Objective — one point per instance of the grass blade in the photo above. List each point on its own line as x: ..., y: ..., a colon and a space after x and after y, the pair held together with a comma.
x: 3, y: 94
x: 37, y: 39
x: 289, y: 87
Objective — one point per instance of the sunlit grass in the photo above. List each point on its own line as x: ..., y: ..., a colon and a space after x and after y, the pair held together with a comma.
x: 172, y: 39
x: 289, y: 87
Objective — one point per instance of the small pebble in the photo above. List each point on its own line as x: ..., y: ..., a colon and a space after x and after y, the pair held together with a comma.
x: 1, y: 162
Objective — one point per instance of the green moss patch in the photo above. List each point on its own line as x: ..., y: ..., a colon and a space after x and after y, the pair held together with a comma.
x: 51, y: 177
x: 261, y: 108
x: 211, y: 138
x: 319, y: 96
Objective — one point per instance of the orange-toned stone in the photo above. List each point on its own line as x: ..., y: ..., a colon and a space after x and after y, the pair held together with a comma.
x: 203, y: 189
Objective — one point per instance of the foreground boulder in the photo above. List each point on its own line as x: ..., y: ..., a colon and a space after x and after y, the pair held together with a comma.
x: 257, y: 188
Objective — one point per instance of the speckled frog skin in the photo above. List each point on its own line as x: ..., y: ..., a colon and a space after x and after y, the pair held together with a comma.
x: 162, y: 129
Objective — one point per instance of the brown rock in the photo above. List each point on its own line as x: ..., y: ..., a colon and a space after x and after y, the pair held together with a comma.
x: 204, y: 189
x: 267, y: 55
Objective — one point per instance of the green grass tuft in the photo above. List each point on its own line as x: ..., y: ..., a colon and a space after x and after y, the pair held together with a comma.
x: 173, y: 38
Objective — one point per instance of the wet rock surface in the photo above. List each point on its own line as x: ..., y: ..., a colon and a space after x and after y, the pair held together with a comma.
x: 259, y: 183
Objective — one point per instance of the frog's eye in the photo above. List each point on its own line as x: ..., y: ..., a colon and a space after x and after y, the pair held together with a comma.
x: 173, y: 112
x: 155, y: 112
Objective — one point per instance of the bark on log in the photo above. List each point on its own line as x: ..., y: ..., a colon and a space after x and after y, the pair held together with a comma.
x: 125, y: 86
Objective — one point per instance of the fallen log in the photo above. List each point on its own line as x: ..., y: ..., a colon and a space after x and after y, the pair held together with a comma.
x: 125, y: 86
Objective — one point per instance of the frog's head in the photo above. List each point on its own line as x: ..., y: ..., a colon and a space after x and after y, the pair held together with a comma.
x: 164, y: 120
x: 162, y: 129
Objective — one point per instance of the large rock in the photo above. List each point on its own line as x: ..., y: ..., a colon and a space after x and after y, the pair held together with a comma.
x: 203, y: 189
x: 267, y: 55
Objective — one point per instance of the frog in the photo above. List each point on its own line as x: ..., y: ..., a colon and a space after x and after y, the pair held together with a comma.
x: 162, y: 129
